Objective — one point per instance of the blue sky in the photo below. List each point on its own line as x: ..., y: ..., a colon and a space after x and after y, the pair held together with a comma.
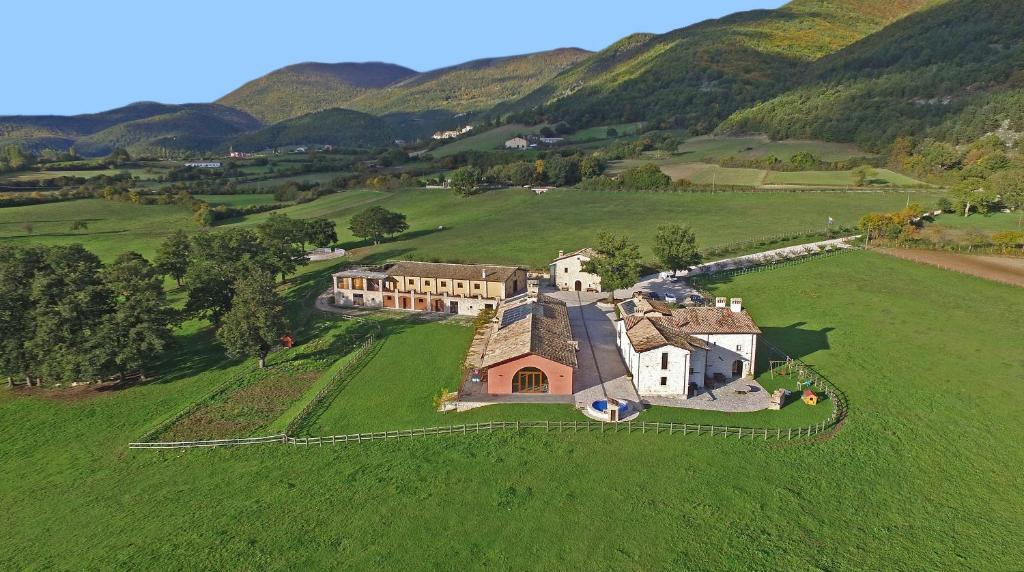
x: 80, y: 57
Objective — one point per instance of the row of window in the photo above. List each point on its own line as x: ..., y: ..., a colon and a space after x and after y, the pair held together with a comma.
x: 442, y: 283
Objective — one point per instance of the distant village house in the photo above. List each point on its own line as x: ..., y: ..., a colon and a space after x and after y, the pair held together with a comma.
x: 517, y: 143
x: 567, y: 273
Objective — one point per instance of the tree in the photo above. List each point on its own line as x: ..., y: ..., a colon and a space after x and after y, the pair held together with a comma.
x: 320, y: 232
x: 27, y: 227
x: 645, y: 177
x: 18, y: 266
x: 140, y: 326
x: 1009, y: 186
x: 172, y: 256
x: 611, y: 132
x: 616, y: 261
x: 117, y: 157
x: 69, y: 303
x: 465, y: 180
x: 79, y: 225
x: 860, y: 175
x: 375, y: 223
x: 971, y: 194
x: 676, y: 247
x: 256, y: 322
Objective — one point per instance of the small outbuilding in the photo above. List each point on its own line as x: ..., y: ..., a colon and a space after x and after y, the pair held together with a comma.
x: 810, y: 398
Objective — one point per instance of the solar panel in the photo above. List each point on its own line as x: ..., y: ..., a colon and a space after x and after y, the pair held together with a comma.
x: 513, y: 315
x: 629, y: 307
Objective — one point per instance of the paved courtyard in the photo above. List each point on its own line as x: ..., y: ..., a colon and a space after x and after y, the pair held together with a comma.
x: 737, y: 396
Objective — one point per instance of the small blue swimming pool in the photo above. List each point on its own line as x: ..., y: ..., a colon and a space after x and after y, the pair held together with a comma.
x: 602, y: 406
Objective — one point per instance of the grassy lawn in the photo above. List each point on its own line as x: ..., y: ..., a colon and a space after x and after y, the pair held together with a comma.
x: 237, y: 200
x: 922, y: 476
x: 519, y: 227
x: 113, y: 227
x: 601, y: 132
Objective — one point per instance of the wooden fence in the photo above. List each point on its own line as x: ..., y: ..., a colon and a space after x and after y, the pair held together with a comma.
x: 585, y: 426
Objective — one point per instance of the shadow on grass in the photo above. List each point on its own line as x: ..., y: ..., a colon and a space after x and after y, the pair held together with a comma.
x: 797, y: 341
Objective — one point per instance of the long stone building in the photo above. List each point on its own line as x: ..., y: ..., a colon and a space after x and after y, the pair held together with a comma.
x: 464, y: 289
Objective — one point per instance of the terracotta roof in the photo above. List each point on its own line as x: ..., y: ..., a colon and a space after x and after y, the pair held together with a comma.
x: 467, y: 272
x: 588, y: 252
x: 525, y: 326
x: 705, y: 320
x: 647, y: 333
x: 641, y: 305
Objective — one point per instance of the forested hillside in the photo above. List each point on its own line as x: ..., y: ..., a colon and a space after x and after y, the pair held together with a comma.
x: 386, y: 88
x: 303, y: 88
x: 954, y: 72
x: 697, y: 76
x: 339, y: 127
x: 143, y: 126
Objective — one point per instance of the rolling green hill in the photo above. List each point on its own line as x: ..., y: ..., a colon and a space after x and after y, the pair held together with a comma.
x: 386, y: 88
x: 340, y: 127
x: 953, y: 71
x: 139, y: 127
x: 697, y: 76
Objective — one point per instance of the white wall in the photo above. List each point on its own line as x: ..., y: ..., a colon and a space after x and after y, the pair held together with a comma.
x: 727, y: 348
x: 647, y: 370
x: 567, y: 271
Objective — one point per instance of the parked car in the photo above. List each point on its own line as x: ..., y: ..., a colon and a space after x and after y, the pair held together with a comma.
x: 670, y: 298
x: 696, y: 299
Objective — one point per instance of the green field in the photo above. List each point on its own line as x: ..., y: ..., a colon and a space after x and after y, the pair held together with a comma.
x: 992, y: 222
x: 44, y: 175
x: 601, y: 132
x: 307, y: 178
x: 922, y: 475
x: 237, y: 200
x: 755, y: 147
x: 113, y: 227
x: 519, y: 227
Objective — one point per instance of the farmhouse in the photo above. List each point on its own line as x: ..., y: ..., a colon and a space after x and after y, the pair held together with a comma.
x: 517, y: 143
x: 464, y: 289
x: 530, y: 349
x: 567, y: 273
x: 672, y: 352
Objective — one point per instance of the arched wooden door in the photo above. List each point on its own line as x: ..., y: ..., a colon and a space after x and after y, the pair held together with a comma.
x: 579, y: 286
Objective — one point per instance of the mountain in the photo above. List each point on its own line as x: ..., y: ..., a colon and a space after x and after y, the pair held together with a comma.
x: 302, y: 88
x: 953, y: 72
x: 139, y: 127
x: 697, y: 76
x: 338, y: 127
x: 387, y: 88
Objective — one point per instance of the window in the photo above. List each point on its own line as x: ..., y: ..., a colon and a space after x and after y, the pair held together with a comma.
x: 444, y: 284
x: 565, y: 270
x: 458, y: 284
x: 426, y: 282
x: 664, y: 381
x: 488, y: 306
x: 476, y: 286
x: 664, y: 360
x: 739, y: 347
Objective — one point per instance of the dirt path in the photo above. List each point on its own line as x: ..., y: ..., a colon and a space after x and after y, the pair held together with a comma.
x: 1005, y: 269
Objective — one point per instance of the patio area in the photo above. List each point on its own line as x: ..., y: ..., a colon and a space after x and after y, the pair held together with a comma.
x: 737, y: 396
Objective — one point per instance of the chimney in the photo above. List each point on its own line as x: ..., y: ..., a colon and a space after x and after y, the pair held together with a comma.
x: 736, y: 305
x: 532, y: 288
x: 561, y: 253
x: 483, y: 274
x: 720, y: 302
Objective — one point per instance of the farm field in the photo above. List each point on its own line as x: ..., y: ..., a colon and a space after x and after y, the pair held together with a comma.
x: 754, y: 147
x: 903, y: 484
x: 44, y: 175
x: 300, y: 178
x: 992, y: 222
x: 1006, y: 269
x: 601, y: 132
x: 237, y: 200
x: 113, y: 227
x: 680, y: 167
x: 504, y: 227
